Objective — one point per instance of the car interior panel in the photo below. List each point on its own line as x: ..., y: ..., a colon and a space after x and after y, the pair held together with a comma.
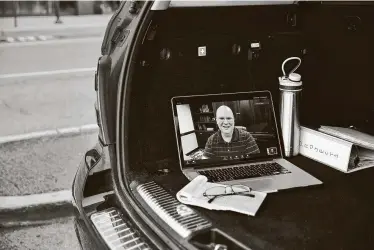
x: 183, y: 73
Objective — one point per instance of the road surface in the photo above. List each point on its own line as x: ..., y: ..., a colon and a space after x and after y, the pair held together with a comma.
x: 40, y: 102
x: 59, y: 235
x: 43, y: 86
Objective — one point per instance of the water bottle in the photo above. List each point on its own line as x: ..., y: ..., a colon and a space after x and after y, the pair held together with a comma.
x: 290, y: 87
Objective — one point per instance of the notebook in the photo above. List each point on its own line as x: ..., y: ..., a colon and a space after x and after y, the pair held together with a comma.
x: 233, y: 138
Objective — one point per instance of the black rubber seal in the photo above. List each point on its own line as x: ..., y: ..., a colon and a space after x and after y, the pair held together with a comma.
x: 295, y: 88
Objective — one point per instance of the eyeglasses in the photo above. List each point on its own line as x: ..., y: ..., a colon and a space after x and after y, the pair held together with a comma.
x: 220, y: 191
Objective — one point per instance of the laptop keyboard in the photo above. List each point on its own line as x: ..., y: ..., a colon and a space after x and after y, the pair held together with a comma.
x: 244, y: 172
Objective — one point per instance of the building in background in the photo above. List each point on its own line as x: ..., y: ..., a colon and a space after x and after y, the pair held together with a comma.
x: 45, y: 8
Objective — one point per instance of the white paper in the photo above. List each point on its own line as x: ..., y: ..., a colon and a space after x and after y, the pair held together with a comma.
x: 192, y: 194
x: 366, y: 159
x: 324, y: 148
x: 333, y: 151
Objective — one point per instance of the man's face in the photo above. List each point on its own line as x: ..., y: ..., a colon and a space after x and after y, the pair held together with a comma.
x: 225, y: 120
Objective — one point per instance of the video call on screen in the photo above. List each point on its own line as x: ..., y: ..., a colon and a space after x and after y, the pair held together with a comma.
x: 199, y: 120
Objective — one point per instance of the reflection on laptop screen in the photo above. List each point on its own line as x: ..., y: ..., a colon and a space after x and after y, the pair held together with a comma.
x: 212, y: 130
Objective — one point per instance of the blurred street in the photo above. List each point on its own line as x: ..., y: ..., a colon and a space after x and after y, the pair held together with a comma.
x: 44, y: 85
x: 49, y: 84
x: 40, y: 102
x: 49, y: 55
x: 24, y: 29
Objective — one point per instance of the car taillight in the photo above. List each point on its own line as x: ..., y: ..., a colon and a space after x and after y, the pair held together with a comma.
x: 101, y: 83
x: 116, y: 233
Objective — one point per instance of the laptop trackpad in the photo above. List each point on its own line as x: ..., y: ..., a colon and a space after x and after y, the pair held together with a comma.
x: 263, y: 185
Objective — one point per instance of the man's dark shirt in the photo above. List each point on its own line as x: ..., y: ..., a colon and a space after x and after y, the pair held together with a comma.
x: 242, y: 143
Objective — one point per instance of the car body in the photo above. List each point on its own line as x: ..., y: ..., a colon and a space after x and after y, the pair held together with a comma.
x: 150, y: 54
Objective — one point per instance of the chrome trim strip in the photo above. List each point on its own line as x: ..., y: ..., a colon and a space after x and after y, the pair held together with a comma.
x: 138, y: 245
x: 110, y: 224
x: 101, y: 223
x: 106, y: 230
x: 100, y: 214
x: 160, y: 5
x: 198, y: 225
x: 125, y: 243
x: 166, y: 197
x: 212, y: 3
x: 124, y: 230
x: 193, y: 222
x: 100, y: 220
x: 164, y: 5
x: 114, y: 234
x: 166, y: 205
x: 188, y: 222
x: 122, y: 237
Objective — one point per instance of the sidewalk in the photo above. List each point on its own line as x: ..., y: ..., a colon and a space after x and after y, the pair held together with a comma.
x: 36, y: 176
x: 42, y: 165
x: 58, y: 234
x: 45, y: 25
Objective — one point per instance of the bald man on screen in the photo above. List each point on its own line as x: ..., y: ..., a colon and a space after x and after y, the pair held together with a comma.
x: 229, y: 142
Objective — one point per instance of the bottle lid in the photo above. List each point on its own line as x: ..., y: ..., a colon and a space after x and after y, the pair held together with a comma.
x: 286, y: 83
x: 295, y: 77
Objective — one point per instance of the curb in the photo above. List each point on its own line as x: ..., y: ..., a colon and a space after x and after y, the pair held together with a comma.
x: 10, y: 39
x: 53, y: 28
x: 46, y: 73
x: 35, y: 209
x: 49, y: 33
x: 68, y: 29
x: 59, y: 132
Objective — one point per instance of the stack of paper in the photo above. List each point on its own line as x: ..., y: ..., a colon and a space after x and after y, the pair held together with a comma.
x: 192, y: 194
x: 366, y: 158
x: 363, y: 151
x: 351, y: 135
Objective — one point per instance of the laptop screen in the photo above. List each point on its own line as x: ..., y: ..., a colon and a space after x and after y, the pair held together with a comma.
x: 222, y: 129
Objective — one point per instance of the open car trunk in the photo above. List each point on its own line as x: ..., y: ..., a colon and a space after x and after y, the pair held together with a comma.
x: 334, y: 42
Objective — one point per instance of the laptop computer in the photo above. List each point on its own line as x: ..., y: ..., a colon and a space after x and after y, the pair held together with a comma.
x: 233, y: 138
